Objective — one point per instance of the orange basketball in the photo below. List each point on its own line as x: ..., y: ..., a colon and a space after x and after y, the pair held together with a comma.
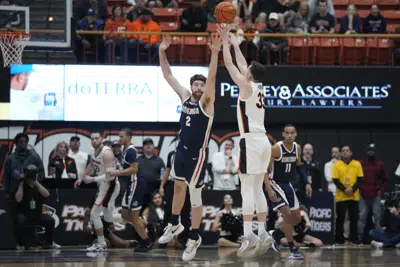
x: 225, y: 12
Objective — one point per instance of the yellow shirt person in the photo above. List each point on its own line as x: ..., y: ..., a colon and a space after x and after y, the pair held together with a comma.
x: 347, y: 176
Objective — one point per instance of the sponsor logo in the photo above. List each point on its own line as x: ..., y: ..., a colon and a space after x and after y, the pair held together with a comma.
x: 320, y: 219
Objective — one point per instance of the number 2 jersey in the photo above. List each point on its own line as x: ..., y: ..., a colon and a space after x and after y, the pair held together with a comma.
x: 251, y: 111
x: 195, y: 126
x: 285, y: 166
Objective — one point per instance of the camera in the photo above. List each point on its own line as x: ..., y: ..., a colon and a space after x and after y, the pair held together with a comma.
x: 30, y: 173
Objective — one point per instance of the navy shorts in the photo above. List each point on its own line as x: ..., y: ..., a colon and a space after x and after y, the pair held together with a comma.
x: 190, y: 166
x: 133, y: 197
x: 285, y: 194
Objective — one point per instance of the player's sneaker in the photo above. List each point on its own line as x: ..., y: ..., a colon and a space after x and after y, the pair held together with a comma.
x: 145, y: 246
x: 247, y: 244
x: 191, y: 249
x: 169, y: 232
x: 262, y: 246
x: 376, y: 244
x: 275, y: 245
x: 96, y: 247
x: 295, y: 254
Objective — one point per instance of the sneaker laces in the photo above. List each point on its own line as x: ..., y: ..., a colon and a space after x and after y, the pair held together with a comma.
x: 190, y: 246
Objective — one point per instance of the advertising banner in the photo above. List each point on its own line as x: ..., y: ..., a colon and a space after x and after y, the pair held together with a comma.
x: 319, y: 95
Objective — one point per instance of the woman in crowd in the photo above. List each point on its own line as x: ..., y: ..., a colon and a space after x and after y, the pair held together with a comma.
x: 227, y: 215
x: 154, y: 216
x: 298, y: 22
x: 351, y: 22
x: 61, y: 166
x: 301, y: 235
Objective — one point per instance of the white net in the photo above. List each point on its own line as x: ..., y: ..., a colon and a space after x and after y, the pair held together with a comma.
x: 12, y: 45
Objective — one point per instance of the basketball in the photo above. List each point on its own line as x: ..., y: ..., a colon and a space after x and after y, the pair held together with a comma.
x: 225, y: 12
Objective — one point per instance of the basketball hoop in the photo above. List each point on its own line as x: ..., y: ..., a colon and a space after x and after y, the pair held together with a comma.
x: 12, y: 44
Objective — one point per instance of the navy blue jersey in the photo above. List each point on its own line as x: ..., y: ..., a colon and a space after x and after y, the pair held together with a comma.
x: 195, y: 127
x: 285, y: 166
x: 128, y: 157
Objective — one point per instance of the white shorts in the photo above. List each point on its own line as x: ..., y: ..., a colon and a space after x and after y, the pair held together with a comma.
x: 106, y: 196
x: 255, y: 153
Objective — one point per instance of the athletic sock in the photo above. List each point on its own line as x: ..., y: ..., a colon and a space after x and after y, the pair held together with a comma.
x: 101, y: 240
x: 261, y: 228
x: 247, y: 228
x: 194, y: 234
x: 175, y: 219
x: 291, y: 245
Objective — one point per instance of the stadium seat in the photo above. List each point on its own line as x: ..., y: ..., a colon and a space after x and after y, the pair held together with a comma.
x: 387, y: 2
x: 195, y: 50
x: 299, y: 51
x: 174, y: 52
x: 363, y: 2
x: 340, y: 2
x: 353, y: 51
x: 363, y: 13
x: 169, y: 26
x: 379, y: 51
x: 391, y: 14
x: 339, y: 13
x: 391, y: 28
x: 166, y: 14
x: 212, y: 27
x: 325, y: 51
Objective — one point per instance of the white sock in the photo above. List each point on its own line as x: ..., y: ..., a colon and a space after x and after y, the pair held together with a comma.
x: 100, y: 239
x: 247, y: 228
x: 261, y: 228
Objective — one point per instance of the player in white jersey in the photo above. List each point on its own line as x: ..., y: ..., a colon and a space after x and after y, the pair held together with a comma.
x: 255, y: 148
x: 102, y: 162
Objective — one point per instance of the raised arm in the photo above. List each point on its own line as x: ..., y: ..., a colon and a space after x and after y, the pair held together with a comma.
x: 182, y: 91
x: 208, y: 98
x: 237, y: 77
x: 240, y: 60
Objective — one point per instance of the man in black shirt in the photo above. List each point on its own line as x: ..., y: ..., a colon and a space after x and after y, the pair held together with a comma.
x: 30, y: 197
x: 323, y: 22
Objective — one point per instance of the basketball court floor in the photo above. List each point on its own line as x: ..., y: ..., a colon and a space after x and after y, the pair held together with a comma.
x: 206, y: 256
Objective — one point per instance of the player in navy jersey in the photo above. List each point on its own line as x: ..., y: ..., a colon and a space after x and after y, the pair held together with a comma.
x: 190, y: 160
x: 284, y: 165
x: 132, y: 199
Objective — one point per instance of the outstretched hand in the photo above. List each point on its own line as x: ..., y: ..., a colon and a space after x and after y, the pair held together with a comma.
x: 166, y: 42
x: 215, y: 45
x: 223, y: 31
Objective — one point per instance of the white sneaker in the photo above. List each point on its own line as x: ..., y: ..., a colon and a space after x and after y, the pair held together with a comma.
x: 375, y: 244
x: 247, y: 244
x: 169, y: 232
x: 96, y: 247
x: 262, y: 246
x: 191, y: 249
x: 55, y: 245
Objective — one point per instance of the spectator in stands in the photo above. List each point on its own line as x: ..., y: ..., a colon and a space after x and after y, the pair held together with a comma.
x: 225, y: 166
x: 347, y: 175
x: 61, y: 166
x: 375, y: 22
x: 261, y: 19
x: 81, y: 158
x: 30, y: 197
x: 117, y: 149
x: 275, y: 6
x: 89, y: 42
x: 248, y: 44
x: 138, y: 10
x: 99, y: 7
x: 273, y: 49
x: 148, y: 42
x: 314, y: 6
x: 351, y: 22
x: 194, y: 19
x: 371, y: 189
x: 312, y: 168
x: 298, y: 22
x: 244, y: 8
x: 397, y: 59
x: 209, y: 7
x: 13, y: 172
x: 154, y: 216
x: 151, y: 167
x: 163, y: 3
x: 335, y: 154
x: 117, y: 23
x: 323, y: 21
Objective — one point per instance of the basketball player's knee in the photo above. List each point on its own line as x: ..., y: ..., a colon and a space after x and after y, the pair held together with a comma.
x: 179, y: 186
x: 195, y: 197
x: 95, y: 218
x: 296, y: 217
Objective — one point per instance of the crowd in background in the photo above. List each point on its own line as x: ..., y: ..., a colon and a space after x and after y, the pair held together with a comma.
x: 367, y: 179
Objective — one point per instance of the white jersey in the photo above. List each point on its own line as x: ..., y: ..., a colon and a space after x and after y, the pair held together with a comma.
x: 251, y: 111
x: 99, y: 168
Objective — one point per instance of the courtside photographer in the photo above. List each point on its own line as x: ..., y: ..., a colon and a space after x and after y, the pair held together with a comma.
x: 30, y: 197
x: 390, y: 237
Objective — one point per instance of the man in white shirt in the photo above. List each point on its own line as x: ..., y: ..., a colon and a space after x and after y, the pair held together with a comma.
x: 328, y: 169
x: 225, y: 166
x: 81, y: 158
